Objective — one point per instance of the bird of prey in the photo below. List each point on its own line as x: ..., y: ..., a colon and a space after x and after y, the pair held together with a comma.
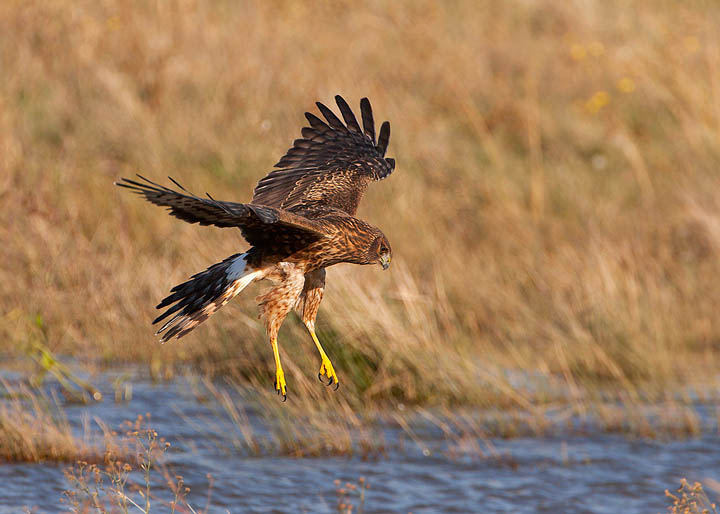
x: 300, y: 220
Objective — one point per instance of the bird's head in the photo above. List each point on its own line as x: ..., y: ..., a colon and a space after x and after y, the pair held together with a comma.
x: 380, y: 251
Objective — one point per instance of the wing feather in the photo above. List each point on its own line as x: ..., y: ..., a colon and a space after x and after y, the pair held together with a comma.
x: 367, y: 117
x: 348, y: 115
x: 259, y: 224
x: 316, y: 123
x: 331, y: 165
x: 332, y: 120
x: 384, y: 138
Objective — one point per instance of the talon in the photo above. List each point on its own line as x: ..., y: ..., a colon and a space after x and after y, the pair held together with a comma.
x: 280, y: 384
x: 337, y: 386
x: 280, y: 388
x: 326, y: 367
x: 327, y: 370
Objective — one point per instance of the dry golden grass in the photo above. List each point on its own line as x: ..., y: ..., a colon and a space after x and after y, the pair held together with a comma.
x: 555, y: 207
x: 34, y: 429
x: 123, y: 481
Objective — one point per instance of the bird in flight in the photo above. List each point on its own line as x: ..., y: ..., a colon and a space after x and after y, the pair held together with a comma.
x: 301, y: 219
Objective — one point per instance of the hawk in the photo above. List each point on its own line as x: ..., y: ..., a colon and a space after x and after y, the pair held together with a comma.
x: 301, y: 220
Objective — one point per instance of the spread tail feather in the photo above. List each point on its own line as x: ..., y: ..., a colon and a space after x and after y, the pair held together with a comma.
x: 198, y: 298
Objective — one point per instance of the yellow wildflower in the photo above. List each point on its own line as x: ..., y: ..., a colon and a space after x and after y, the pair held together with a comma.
x: 626, y: 85
x: 578, y: 52
x: 597, y: 101
x: 692, y: 44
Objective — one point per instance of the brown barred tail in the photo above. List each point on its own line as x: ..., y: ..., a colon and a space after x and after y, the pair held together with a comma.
x: 198, y: 298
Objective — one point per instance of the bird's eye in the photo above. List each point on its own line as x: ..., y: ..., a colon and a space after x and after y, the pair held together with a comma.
x: 383, y: 249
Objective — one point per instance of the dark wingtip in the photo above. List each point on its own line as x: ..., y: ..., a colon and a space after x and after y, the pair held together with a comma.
x: 367, y: 118
x: 384, y: 137
x: 331, y: 117
x: 178, y: 184
x: 315, y: 122
x: 141, y: 177
x: 133, y: 185
x: 123, y: 182
x: 348, y: 115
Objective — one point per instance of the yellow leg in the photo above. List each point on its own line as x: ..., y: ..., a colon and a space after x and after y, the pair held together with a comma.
x: 280, y: 384
x: 326, y: 368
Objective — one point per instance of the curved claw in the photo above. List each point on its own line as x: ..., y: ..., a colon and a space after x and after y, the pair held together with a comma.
x: 327, y: 370
x: 279, y: 391
x: 330, y: 382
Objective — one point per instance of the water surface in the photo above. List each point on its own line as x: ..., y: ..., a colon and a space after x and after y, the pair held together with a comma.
x: 581, y: 472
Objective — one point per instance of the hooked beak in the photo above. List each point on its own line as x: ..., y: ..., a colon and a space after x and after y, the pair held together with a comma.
x: 385, y: 261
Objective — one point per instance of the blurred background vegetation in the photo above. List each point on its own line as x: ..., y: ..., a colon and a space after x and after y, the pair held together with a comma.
x: 554, y: 214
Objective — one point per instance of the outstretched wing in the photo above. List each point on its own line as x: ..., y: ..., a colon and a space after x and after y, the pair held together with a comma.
x: 331, y: 166
x: 260, y: 225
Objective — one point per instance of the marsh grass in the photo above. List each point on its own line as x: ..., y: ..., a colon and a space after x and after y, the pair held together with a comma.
x: 258, y: 426
x: 136, y: 480
x: 263, y: 427
x: 248, y: 421
x: 34, y: 428
x: 554, y: 211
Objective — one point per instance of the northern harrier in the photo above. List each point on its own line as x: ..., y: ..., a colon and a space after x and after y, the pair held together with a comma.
x: 300, y: 220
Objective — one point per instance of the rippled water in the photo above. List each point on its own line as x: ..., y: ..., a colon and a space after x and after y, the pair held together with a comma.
x: 589, y: 473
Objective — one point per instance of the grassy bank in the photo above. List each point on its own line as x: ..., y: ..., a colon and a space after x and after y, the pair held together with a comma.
x: 554, y: 209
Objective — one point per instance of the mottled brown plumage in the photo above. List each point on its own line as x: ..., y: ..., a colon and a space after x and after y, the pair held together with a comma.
x: 330, y: 166
x: 299, y: 221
